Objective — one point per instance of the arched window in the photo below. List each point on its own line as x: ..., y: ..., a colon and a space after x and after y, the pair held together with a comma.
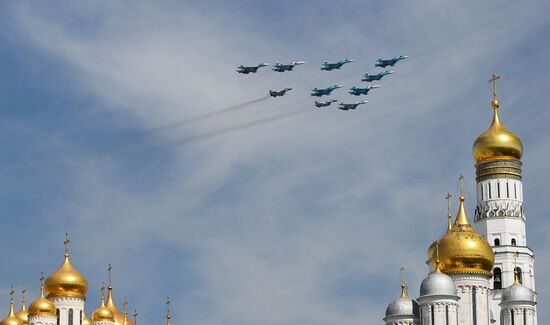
x: 497, y: 242
x: 447, y: 315
x: 520, y: 275
x: 433, y: 315
x: 512, y: 316
x: 57, y: 314
x: 474, y: 305
x: 513, y: 242
x: 71, y: 316
x: 525, y: 316
x: 497, y: 278
x: 80, y: 318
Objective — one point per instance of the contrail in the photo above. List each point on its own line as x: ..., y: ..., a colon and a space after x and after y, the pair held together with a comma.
x: 207, y: 115
x: 238, y: 127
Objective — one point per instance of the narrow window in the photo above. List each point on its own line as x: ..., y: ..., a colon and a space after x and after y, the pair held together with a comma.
x: 520, y: 275
x: 447, y: 315
x: 515, y: 192
x: 57, y: 314
x: 498, y: 189
x: 507, y: 190
x: 512, y: 316
x: 489, y: 190
x: 481, y: 189
x: 71, y: 316
x: 497, y: 278
x: 513, y: 242
x: 433, y: 315
x: 80, y: 318
x: 474, y: 303
x: 497, y: 242
x: 525, y: 316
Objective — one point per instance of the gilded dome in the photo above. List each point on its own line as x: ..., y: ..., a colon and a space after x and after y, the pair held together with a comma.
x: 464, y: 250
x: 120, y: 319
x: 66, y: 282
x: 497, y: 142
x: 102, y: 313
x: 11, y: 319
x: 23, y: 315
x: 86, y: 320
x: 42, y: 306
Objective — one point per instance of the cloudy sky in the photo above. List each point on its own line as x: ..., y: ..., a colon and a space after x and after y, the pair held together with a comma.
x: 273, y: 212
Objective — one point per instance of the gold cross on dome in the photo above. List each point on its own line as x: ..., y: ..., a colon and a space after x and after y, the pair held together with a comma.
x: 494, y: 79
x: 23, y: 298
x: 135, y: 316
x: 448, y: 198
x: 11, y: 293
x: 66, y: 243
x: 168, y: 305
x: 125, y: 305
x: 109, y: 270
x: 461, y: 183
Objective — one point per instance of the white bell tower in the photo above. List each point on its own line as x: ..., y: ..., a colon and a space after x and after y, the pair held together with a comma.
x: 500, y: 215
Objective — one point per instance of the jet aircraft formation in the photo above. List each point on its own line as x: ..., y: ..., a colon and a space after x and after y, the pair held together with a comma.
x: 327, y: 66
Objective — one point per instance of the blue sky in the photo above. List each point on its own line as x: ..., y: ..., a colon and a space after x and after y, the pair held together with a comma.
x: 305, y: 220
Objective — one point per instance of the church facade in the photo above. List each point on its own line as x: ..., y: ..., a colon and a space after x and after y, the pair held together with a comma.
x: 484, y: 276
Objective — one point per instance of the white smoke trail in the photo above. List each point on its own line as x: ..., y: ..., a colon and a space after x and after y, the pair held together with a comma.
x: 207, y: 115
x: 238, y: 127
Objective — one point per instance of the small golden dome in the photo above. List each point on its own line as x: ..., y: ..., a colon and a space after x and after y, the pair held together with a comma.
x: 102, y: 313
x: 120, y: 318
x: 497, y: 142
x: 42, y: 306
x: 464, y: 250
x: 86, y: 320
x: 66, y: 282
x: 11, y: 319
x: 23, y: 315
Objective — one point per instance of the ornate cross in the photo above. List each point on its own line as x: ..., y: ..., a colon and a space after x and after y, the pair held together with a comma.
x: 125, y: 305
x: 102, y: 291
x: 402, y: 269
x: 11, y: 294
x: 135, y: 316
x: 23, y: 299
x: 448, y: 198
x: 461, y: 182
x: 66, y: 243
x: 109, y: 270
x: 494, y: 81
x: 168, y: 306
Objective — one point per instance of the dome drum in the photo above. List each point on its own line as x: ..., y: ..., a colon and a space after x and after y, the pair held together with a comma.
x: 499, y: 168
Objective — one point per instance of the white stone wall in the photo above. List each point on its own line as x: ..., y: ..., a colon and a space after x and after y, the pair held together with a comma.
x: 440, y: 306
x: 468, y: 286
x: 42, y: 320
x: 523, y: 314
x: 500, y: 215
x: 64, y: 305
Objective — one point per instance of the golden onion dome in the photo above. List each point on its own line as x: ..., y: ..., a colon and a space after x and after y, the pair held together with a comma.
x: 86, y: 320
x: 464, y: 250
x: 497, y: 142
x: 42, y: 306
x: 22, y: 314
x: 120, y: 318
x: 66, y: 282
x: 11, y: 319
x: 102, y: 313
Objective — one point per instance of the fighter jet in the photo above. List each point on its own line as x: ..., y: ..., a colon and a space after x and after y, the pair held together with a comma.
x: 337, y: 65
x: 361, y: 91
x: 389, y: 62
x: 372, y: 77
x: 286, y: 67
x: 324, y: 91
x: 250, y: 69
x: 346, y: 107
x: 276, y: 93
x: 325, y: 104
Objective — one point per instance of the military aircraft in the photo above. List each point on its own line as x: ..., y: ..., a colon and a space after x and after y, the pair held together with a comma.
x: 346, y: 107
x: 250, y: 69
x: 276, y: 93
x: 337, y: 65
x: 286, y: 67
x: 389, y: 62
x: 372, y: 77
x: 361, y: 91
x: 325, y: 104
x: 324, y: 91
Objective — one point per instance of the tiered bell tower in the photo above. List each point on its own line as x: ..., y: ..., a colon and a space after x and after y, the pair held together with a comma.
x: 499, y: 215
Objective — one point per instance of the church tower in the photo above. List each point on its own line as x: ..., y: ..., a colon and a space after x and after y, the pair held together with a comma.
x: 499, y: 215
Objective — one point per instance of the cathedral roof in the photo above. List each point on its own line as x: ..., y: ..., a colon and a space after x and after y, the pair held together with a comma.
x: 437, y: 283
x: 463, y: 249
x: 403, y: 305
